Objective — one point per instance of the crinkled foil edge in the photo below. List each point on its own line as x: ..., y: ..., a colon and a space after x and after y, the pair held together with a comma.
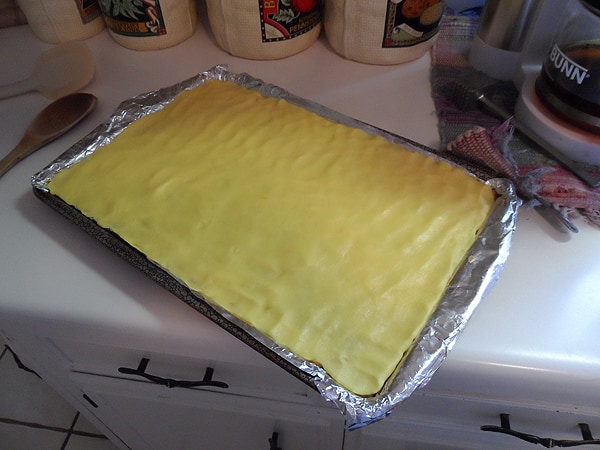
x: 470, y: 284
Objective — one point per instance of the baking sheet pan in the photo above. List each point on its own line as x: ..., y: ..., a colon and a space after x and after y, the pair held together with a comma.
x: 470, y: 284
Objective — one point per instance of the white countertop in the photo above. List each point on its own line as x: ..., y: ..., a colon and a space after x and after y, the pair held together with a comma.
x: 535, y: 336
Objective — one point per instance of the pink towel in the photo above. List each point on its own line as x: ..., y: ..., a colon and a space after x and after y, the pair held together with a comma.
x: 484, y: 140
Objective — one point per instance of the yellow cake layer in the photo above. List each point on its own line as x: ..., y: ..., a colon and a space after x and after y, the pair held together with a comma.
x: 335, y: 243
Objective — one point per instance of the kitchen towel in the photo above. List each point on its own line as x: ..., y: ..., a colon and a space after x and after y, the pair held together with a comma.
x: 486, y: 140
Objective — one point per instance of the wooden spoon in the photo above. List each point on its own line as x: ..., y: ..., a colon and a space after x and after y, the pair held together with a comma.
x: 53, y: 121
x: 58, y: 71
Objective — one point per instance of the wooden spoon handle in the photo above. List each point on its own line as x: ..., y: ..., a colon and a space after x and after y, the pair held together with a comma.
x: 23, y: 149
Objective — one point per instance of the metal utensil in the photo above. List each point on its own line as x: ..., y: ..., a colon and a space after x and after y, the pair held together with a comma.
x: 467, y: 98
x: 53, y: 121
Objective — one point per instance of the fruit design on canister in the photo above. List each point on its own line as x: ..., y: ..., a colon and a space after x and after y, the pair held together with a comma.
x: 285, y: 19
x: 410, y: 22
x: 427, y: 11
x: 303, y: 6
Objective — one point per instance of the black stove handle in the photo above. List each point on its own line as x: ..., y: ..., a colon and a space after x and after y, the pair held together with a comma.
x: 171, y: 383
x: 504, y: 428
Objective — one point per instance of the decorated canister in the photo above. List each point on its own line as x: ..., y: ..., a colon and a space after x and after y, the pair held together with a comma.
x: 264, y: 29
x: 149, y: 24
x: 382, y: 31
x: 60, y: 21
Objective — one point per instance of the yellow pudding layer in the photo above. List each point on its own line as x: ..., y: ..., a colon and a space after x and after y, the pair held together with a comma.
x: 335, y: 243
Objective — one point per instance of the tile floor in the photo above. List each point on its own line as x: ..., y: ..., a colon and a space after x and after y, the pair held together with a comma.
x: 34, y: 417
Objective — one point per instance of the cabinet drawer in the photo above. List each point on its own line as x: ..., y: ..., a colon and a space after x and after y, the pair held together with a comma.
x: 264, y: 381
x: 144, y: 416
x: 433, y: 420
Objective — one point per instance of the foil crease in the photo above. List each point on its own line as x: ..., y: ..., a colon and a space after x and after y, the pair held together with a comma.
x: 469, y: 286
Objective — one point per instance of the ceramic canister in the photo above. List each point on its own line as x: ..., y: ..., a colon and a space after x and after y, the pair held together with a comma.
x: 264, y: 29
x: 382, y: 31
x: 149, y: 24
x: 60, y: 21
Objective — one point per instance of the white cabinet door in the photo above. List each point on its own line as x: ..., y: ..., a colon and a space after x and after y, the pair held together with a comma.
x: 450, y: 422
x: 393, y: 435
x: 149, y: 416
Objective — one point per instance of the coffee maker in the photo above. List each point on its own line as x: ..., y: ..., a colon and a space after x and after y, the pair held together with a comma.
x: 523, y: 41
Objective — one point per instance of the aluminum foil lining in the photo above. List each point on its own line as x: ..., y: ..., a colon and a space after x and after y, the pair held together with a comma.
x: 470, y: 284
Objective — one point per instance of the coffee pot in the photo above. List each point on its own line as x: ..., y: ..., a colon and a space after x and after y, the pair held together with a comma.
x: 550, y: 50
x: 569, y: 80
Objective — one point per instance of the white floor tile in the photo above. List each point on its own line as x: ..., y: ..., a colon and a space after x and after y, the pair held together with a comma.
x: 87, y: 443
x: 25, y: 397
x: 17, y: 437
x: 83, y: 424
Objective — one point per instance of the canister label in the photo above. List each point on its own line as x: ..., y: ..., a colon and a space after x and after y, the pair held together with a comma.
x: 410, y: 22
x: 134, y: 18
x: 88, y: 9
x: 286, y: 19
